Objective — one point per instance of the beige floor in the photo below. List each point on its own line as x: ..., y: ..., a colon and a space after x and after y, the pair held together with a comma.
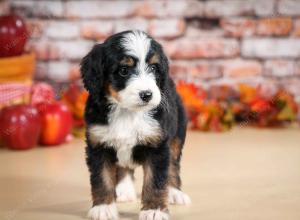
x: 239, y: 175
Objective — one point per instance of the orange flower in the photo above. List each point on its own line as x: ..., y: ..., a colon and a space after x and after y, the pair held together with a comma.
x: 75, y: 97
x: 192, y: 97
x: 247, y: 93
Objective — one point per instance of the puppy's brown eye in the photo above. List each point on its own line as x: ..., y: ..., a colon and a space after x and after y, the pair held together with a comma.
x: 153, y: 68
x: 123, y: 71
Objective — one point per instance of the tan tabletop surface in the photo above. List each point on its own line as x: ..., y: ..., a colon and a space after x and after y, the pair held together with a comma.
x: 243, y: 174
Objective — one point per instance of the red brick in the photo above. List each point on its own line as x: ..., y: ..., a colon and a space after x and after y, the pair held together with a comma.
x: 131, y: 24
x: 279, y: 68
x: 42, y: 50
x: 238, y: 27
x: 278, y: 26
x: 35, y: 27
x: 178, y: 67
x: 41, y: 71
x: 289, y: 7
x: 196, y: 70
x: 271, y: 48
x: 58, y: 71
x: 72, y: 50
x: 96, y: 29
x: 74, y: 71
x: 297, y: 69
x: 216, y: 8
x: 241, y: 68
x: 293, y: 86
x: 62, y: 30
x: 31, y: 8
x: 205, y: 70
x: 268, y: 87
x: 54, y: 50
x: 296, y: 31
x: 4, y: 5
x: 179, y: 70
x: 194, y: 32
x: 147, y: 9
x: 160, y: 8
x: 194, y: 9
x: 202, y: 48
x: 264, y: 8
x: 99, y: 9
x: 168, y: 28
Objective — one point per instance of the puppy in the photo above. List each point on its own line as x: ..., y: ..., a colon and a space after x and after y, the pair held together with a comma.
x: 134, y: 117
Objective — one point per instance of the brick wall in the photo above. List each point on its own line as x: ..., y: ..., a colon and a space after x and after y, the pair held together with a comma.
x: 209, y: 42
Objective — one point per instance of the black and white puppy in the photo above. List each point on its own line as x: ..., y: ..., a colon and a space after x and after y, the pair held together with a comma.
x: 134, y: 117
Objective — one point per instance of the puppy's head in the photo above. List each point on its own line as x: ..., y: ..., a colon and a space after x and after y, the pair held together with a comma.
x: 129, y: 68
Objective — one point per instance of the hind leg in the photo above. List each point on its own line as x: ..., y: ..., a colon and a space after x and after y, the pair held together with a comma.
x: 125, y: 191
x: 175, y: 195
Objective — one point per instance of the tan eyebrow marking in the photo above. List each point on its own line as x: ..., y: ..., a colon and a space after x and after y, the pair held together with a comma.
x: 128, y: 61
x: 154, y: 59
x: 113, y: 92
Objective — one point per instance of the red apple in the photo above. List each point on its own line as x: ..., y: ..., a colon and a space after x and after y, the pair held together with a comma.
x: 20, y: 126
x: 13, y: 35
x: 56, y: 123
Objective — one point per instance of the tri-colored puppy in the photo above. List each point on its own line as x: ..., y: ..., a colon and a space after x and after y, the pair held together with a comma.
x: 134, y: 117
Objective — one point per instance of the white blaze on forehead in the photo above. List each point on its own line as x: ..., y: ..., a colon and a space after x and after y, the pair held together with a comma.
x: 137, y: 44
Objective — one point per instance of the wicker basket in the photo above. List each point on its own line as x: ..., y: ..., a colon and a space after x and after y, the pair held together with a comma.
x: 16, y: 77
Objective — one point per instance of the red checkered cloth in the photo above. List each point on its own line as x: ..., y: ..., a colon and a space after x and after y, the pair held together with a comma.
x: 12, y: 91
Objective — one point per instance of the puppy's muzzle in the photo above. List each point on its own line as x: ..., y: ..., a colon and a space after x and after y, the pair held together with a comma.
x: 145, y: 96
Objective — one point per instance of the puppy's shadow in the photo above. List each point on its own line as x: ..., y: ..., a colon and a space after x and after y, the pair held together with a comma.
x: 78, y: 209
x: 128, y: 215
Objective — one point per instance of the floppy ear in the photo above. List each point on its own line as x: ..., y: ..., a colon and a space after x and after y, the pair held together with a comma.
x: 92, y: 70
x: 165, y: 62
x: 164, y: 67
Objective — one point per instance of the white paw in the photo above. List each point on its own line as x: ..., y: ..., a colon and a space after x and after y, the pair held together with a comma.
x: 125, y: 190
x: 103, y: 212
x: 153, y: 214
x: 178, y: 197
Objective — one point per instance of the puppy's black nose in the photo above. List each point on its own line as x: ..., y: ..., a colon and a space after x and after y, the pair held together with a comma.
x: 146, y: 95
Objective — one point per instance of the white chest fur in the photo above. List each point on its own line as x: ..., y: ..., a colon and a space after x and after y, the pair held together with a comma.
x: 125, y: 129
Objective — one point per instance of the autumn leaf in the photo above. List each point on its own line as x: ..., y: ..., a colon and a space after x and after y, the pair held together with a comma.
x: 192, y: 97
x: 247, y: 93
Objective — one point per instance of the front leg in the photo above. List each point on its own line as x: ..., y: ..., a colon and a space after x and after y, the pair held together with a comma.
x: 176, y: 196
x: 155, y: 188
x: 102, y: 167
